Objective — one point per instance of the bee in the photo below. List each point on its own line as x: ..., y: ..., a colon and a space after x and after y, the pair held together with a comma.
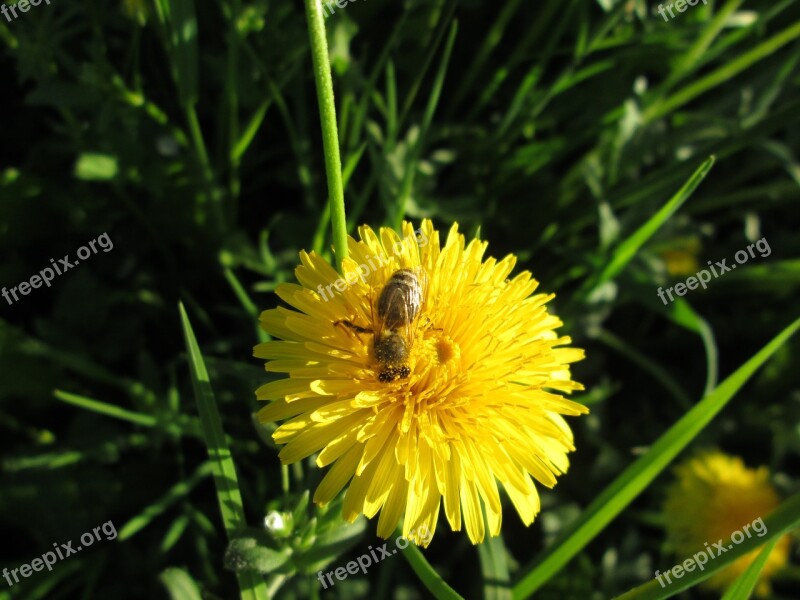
x: 398, y: 306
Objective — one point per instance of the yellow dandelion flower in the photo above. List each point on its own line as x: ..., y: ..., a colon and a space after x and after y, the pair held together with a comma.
x: 422, y: 376
x: 713, y: 497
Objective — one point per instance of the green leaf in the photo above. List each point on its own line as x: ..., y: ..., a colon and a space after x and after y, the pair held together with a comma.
x: 248, y: 554
x: 96, y: 167
x: 617, y: 496
x: 180, y: 585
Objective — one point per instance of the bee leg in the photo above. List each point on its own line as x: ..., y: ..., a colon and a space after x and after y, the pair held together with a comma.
x: 429, y: 325
x: 352, y: 326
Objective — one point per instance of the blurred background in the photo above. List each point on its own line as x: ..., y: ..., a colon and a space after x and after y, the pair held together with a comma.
x: 189, y: 133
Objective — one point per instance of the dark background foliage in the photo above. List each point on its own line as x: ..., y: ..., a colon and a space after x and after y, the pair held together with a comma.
x: 561, y: 128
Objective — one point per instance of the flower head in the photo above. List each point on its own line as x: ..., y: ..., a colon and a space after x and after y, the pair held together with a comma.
x: 423, y: 376
x: 714, y: 497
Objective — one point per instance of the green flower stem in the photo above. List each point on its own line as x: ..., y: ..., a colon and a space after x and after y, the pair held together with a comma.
x: 426, y: 573
x: 330, y: 133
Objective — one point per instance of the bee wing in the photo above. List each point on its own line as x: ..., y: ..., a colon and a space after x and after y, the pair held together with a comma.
x: 399, y: 302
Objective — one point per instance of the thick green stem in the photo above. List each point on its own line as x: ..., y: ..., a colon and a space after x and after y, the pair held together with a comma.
x: 330, y: 133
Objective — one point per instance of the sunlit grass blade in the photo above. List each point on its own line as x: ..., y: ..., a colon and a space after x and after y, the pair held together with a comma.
x: 722, y: 74
x: 181, y: 424
x: 180, y: 584
x: 744, y: 585
x: 230, y: 500
x: 627, y: 249
x: 688, y: 61
x: 625, y: 488
x: 432, y: 581
x: 684, y: 315
x: 785, y: 518
x: 106, y: 409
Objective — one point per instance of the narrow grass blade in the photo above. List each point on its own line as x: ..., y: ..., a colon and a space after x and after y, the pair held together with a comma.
x: 178, y: 425
x: 230, y: 499
x: 626, y: 250
x: 444, y: 18
x: 723, y: 74
x: 180, y: 22
x: 492, y: 40
x: 174, y: 494
x: 683, y: 314
x: 744, y: 585
x: 638, y: 476
x: 108, y: 410
x: 785, y: 518
x: 250, y: 130
x: 688, y: 61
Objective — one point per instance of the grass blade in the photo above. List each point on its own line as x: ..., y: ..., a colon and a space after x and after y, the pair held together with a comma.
x: 433, y: 100
x: 230, y: 499
x: 722, y: 74
x: 746, y: 582
x: 785, y: 518
x: 108, y: 410
x: 638, y: 476
x: 176, y: 492
x: 625, y: 252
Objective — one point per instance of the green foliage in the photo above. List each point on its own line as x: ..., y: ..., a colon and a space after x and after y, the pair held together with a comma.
x: 576, y: 135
